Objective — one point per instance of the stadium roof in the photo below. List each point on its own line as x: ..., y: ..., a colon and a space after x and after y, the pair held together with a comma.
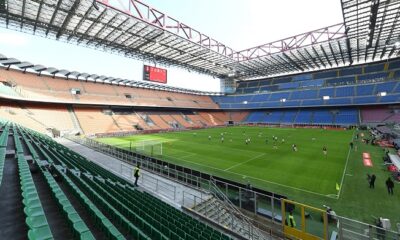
x: 370, y: 32
x: 27, y: 66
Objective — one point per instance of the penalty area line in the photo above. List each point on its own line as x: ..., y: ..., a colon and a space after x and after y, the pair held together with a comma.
x: 251, y: 159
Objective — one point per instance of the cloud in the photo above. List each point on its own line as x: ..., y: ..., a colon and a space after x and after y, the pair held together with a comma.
x: 13, y: 39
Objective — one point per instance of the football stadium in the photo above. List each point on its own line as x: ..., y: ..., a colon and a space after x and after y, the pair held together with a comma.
x: 159, y: 131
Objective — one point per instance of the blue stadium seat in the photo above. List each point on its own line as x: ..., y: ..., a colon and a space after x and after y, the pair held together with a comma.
x: 393, y: 98
x: 260, y: 98
x: 289, y: 116
x: 326, y: 92
x: 373, y: 76
x: 341, y: 80
x: 327, y: 74
x: 309, y: 94
x: 281, y: 80
x: 350, y: 71
x: 322, y: 117
x: 374, y: 68
x: 273, y: 116
x: 345, y: 91
x: 312, y: 83
x: 363, y: 90
x: 394, y: 65
x: 385, y: 87
x: 270, y: 104
x: 339, y: 101
x: 294, y: 103
x: 278, y: 96
x: 296, y: 95
x: 365, y: 100
x: 255, y: 117
x: 302, y: 77
x: 304, y: 116
x: 347, y: 116
x: 289, y: 85
x: 313, y: 102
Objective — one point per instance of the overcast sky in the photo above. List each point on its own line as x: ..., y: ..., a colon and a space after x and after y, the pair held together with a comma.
x: 240, y: 24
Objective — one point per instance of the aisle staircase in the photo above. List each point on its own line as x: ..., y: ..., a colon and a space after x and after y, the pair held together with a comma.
x: 212, y: 119
x: 219, y: 209
x: 75, y: 121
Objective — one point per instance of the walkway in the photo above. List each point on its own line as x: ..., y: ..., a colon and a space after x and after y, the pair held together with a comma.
x: 165, y: 189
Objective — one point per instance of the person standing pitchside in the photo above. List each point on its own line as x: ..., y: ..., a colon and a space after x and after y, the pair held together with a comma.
x: 136, y: 174
x: 390, y: 186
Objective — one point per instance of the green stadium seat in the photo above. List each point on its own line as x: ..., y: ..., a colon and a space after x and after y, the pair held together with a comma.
x: 36, y: 221
x: 42, y: 233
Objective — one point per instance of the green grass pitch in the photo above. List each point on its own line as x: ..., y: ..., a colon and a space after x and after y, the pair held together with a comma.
x: 306, y: 176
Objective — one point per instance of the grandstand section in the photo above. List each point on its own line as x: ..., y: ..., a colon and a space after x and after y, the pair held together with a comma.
x: 365, y: 84
x: 20, y: 85
x: 114, y: 208
x: 298, y: 126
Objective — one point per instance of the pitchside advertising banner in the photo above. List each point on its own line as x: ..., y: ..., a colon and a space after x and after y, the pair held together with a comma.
x: 154, y: 74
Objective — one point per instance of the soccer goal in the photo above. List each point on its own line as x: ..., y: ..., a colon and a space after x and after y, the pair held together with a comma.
x: 149, y: 147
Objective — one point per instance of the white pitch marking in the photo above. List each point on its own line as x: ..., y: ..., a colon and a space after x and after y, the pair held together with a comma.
x: 251, y: 159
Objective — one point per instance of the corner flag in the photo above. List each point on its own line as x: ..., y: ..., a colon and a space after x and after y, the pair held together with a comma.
x: 337, y: 187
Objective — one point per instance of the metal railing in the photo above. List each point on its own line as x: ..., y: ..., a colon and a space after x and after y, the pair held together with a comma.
x: 253, y: 205
x: 125, y: 169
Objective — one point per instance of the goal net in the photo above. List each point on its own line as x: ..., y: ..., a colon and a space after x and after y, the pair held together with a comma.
x: 149, y: 147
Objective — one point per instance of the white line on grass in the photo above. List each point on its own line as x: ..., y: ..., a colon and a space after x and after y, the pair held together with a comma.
x: 188, y: 155
x: 345, y: 169
x: 251, y: 159
x: 259, y: 179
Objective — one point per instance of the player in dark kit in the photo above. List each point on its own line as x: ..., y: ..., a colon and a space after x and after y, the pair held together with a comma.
x: 324, y: 150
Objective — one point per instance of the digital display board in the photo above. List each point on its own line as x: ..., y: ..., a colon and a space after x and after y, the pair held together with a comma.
x: 154, y: 74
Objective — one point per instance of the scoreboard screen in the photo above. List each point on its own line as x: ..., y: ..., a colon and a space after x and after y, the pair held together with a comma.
x: 154, y: 74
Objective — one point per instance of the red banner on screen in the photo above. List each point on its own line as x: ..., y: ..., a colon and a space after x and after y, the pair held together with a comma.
x: 154, y: 74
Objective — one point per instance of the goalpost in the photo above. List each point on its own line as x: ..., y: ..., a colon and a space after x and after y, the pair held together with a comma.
x: 149, y: 147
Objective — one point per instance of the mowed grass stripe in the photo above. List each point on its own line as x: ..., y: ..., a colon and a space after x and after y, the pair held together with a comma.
x: 306, y: 169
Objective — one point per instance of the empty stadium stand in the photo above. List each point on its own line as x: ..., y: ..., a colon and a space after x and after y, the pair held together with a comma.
x: 360, y: 85
x: 341, y: 116
x: 380, y: 114
x: 65, y: 196
x: 15, y: 84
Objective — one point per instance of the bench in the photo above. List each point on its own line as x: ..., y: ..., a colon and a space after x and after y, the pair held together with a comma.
x: 266, y: 213
x: 395, y: 160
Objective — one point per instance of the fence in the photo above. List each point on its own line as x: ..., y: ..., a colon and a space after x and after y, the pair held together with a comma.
x: 265, y: 210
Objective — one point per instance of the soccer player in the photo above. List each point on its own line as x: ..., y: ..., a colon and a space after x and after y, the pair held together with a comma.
x: 294, y: 147
x: 209, y: 137
x: 283, y: 140
x: 246, y: 141
x: 324, y: 150
x: 222, y: 139
x: 266, y: 140
x: 275, y: 146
